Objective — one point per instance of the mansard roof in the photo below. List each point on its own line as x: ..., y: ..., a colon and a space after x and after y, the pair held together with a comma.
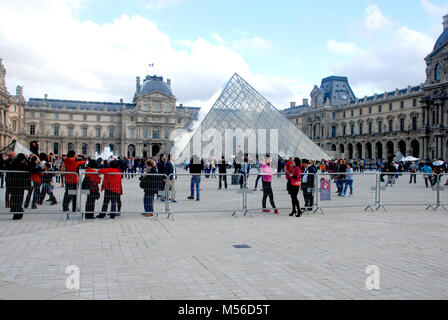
x: 80, y: 105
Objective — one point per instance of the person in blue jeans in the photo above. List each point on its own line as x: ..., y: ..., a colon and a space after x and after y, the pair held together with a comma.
x: 149, y: 182
x: 349, y: 180
x: 196, y: 167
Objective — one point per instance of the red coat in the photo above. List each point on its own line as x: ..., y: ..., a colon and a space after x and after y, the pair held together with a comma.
x: 288, y: 167
x: 36, y: 177
x: 111, y: 182
x: 296, y: 173
x: 71, y: 165
x: 94, y: 177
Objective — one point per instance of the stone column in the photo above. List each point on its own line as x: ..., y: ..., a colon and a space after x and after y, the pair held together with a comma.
x: 439, y: 147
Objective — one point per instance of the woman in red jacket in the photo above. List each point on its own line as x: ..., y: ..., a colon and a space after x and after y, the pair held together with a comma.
x: 112, y: 189
x: 91, y: 182
x: 295, y: 182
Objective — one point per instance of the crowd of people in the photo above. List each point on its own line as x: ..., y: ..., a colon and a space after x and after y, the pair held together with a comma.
x: 38, y: 173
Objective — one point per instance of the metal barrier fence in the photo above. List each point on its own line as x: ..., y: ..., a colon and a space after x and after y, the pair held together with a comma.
x: 126, y: 195
x: 169, y: 194
x: 342, y: 190
x: 407, y: 189
x: 47, y: 197
x: 257, y: 190
x: 441, y: 192
x: 188, y: 188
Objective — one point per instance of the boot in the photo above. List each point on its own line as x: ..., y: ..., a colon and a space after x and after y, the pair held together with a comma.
x: 17, y: 216
x: 293, y: 213
x: 299, y: 213
x: 53, y: 200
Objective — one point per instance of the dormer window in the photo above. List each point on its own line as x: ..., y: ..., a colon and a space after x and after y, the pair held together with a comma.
x: 438, y: 72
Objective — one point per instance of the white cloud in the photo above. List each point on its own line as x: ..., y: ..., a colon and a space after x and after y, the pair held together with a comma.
x: 344, y: 48
x: 395, y: 60
x: 255, y: 44
x: 217, y: 37
x: 159, y: 4
x: 375, y: 20
x: 46, y: 48
x: 433, y: 9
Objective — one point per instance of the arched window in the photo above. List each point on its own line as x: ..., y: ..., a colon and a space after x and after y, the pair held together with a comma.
x: 98, y: 148
x: 438, y: 72
x: 70, y: 147
x: 56, y: 148
x: 84, y: 149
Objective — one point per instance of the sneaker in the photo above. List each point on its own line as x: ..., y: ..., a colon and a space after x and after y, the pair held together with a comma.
x: 276, y: 211
x: 255, y: 189
x: 174, y: 201
x: 266, y: 210
x: 191, y: 198
x: 162, y: 200
x: 112, y: 215
x: 100, y: 216
x: 197, y: 199
x: 149, y: 215
x: 34, y: 207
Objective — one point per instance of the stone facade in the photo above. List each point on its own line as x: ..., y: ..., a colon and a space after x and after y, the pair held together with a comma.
x: 11, y: 112
x: 411, y: 121
x: 141, y: 128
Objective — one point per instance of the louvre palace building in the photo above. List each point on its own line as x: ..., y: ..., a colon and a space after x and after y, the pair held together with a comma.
x: 140, y: 128
x: 411, y: 122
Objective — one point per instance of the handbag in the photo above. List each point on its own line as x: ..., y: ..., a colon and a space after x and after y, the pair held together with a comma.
x: 296, y: 183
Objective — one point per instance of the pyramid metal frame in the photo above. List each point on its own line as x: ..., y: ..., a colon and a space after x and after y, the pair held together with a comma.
x: 240, y: 106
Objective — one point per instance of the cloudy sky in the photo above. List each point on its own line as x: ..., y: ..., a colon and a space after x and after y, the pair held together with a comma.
x: 93, y: 50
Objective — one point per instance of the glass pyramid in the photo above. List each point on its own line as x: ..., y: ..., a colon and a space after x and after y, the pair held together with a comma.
x: 239, y: 106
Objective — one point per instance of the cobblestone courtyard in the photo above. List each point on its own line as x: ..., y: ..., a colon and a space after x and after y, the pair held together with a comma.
x: 193, y: 257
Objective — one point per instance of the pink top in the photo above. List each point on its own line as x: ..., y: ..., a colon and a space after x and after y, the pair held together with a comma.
x: 266, y: 169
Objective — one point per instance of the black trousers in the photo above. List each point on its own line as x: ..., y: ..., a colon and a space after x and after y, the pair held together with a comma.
x: 68, y: 197
x: 35, y: 191
x: 17, y: 199
x: 8, y: 194
x: 308, y: 197
x: 90, y: 203
x: 223, y: 177
x: 413, y: 177
x: 113, y: 198
x: 267, y: 192
x: 293, y: 192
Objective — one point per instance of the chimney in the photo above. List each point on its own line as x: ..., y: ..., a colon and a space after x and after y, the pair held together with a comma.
x: 305, y: 102
x: 137, y: 85
x: 168, y: 81
x: 292, y: 104
x: 46, y: 96
x: 445, y: 22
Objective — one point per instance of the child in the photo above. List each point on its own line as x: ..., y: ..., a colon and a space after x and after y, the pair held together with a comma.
x: 47, y: 185
x: 349, y: 180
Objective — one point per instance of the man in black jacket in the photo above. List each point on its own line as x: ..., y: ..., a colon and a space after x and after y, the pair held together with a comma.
x: 18, y: 183
x: 161, y: 170
x: 7, y: 166
x: 308, y: 176
x: 222, y: 166
x: 196, y: 167
x: 170, y: 171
